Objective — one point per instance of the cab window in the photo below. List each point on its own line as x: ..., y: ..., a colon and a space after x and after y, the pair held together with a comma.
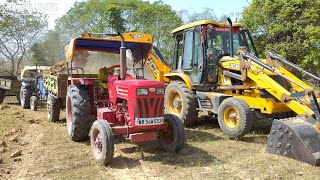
x: 187, y: 50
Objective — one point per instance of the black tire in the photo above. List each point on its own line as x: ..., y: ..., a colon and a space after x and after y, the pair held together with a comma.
x: 188, y: 104
x: 34, y: 103
x: 53, y: 108
x: 78, y: 112
x: 172, y: 138
x: 102, y: 146
x: 241, y: 115
x: 2, y: 93
x: 25, y: 95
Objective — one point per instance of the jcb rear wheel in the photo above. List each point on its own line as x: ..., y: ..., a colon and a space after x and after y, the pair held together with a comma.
x: 234, y: 117
x: 102, y: 142
x: 181, y: 101
x: 172, y: 138
x: 78, y: 112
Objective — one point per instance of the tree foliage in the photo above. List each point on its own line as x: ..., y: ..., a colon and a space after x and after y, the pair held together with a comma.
x: 289, y: 27
x: 18, y: 30
x: 48, y: 50
x: 157, y: 19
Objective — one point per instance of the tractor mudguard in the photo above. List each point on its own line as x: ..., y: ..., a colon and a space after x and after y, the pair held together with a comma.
x: 295, y: 138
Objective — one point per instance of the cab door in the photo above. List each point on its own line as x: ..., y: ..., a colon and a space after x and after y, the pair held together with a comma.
x: 191, y: 60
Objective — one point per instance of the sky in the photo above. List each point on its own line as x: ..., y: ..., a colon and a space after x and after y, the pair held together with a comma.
x: 57, y: 8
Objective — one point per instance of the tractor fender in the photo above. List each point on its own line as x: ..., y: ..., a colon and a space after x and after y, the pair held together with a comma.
x: 180, y: 76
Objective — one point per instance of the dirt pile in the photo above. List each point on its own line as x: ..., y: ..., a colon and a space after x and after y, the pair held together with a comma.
x: 57, y: 69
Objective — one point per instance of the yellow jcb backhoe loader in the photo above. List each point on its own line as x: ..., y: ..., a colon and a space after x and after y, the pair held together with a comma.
x: 216, y: 69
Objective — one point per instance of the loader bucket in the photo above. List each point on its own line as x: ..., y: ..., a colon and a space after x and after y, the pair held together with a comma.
x: 295, y: 138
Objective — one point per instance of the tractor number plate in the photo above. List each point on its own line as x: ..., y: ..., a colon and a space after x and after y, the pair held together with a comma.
x: 149, y: 121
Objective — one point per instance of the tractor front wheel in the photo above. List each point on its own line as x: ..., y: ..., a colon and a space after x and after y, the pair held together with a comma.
x: 172, y: 138
x: 34, y: 103
x: 78, y: 112
x: 53, y: 107
x: 234, y: 117
x: 102, y: 142
x: 180, y: 100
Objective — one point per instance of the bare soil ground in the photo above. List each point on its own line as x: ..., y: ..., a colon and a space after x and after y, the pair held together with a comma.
x: 47, y: 153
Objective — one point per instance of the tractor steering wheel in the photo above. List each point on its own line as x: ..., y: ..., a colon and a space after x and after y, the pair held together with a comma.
x: 110, y: 70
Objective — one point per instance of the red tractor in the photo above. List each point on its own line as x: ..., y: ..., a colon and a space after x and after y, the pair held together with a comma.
x: 125, y: 105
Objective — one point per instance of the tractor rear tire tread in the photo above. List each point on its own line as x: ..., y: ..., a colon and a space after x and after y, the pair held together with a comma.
x: 189, y: 112
x: 79, y: 129
x: 246, y: 119
x: 25, y: 95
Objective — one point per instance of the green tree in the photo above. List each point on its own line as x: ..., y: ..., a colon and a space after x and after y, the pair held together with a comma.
x: 157, y: 19
x: 48, y: 50
x: 289, y: 27
x: 19, y: 29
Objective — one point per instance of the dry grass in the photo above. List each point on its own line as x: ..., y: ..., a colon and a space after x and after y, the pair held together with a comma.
x: 47, y: 153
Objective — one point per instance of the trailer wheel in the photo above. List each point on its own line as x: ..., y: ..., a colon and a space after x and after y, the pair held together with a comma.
x: 34, y: 103
x: 234, y: 117
x: 102, y: 142
x: 172, y: 138
x: 2, y: 93
x: 181, y: 101
x: 25, y: 95
x: 53, y: 107
x: 78, y: 112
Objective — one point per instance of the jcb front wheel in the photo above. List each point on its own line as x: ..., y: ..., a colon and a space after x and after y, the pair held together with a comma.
x: 172, y: 138
x: 102, y: 142
x: 234, y: 117
x: 181, y: 101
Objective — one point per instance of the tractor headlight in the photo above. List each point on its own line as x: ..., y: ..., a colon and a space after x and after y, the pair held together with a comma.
x: 160, y: 91
x: 142, y: 92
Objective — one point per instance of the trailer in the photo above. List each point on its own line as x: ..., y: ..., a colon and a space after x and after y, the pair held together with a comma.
x: 56, y: 86
x: 9, y: 86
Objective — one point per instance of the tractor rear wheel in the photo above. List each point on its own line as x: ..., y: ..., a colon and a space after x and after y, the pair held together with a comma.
x: 102, y: 142
x: 78, y: 112
x: 34, y: 103
x: 25, y: 95
x: 53, y: 107
x: 235, y: 117
x: 181, y: 101
x: 2, y: 93
x: 172, y: 138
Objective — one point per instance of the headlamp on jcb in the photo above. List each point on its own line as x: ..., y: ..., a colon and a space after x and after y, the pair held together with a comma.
x: 142, y: 91
x: 160, y: 91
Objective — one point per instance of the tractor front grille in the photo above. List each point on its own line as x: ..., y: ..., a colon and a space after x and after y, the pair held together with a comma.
x: 149, y: 107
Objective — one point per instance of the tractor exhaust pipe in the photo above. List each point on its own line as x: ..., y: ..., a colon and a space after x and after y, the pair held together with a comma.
x: 123, y: 62
x: 230, y: 37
